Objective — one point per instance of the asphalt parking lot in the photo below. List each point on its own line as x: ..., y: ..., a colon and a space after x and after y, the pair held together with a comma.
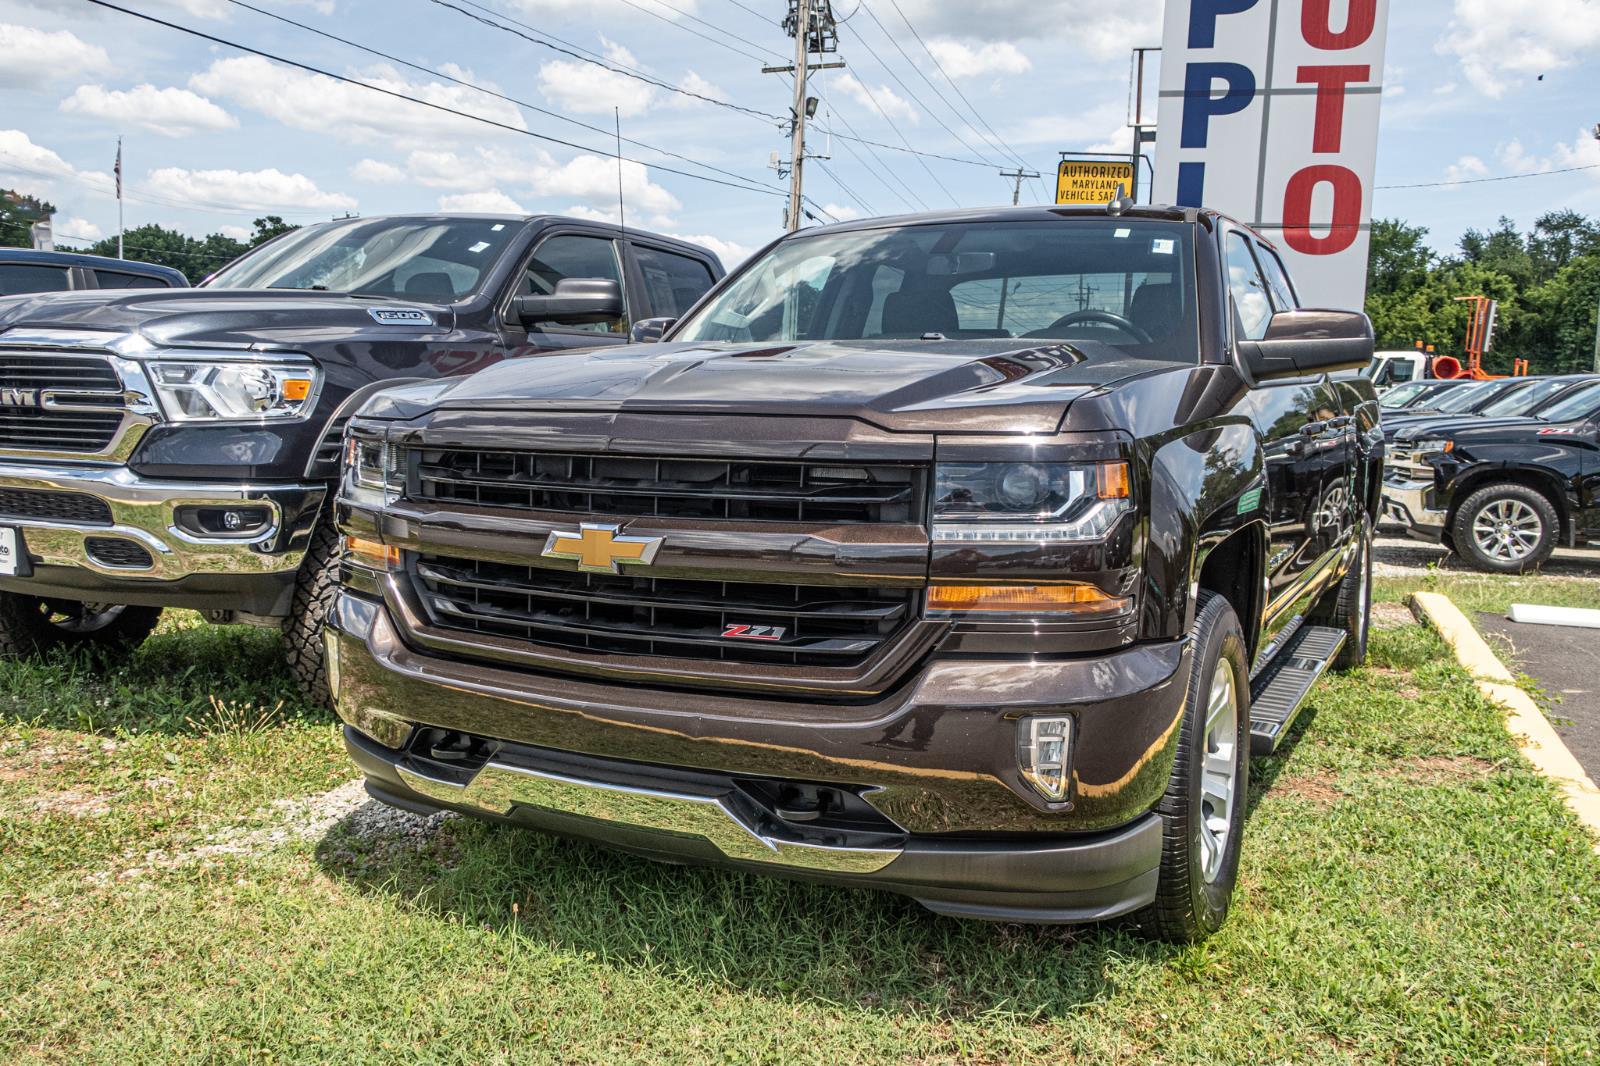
x: 1561, y: 659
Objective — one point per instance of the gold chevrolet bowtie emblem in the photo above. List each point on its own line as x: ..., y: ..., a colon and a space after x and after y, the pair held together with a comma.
x: 601, y: 549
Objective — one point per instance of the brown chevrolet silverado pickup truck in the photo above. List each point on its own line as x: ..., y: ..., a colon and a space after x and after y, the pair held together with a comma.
x: 966, y: 556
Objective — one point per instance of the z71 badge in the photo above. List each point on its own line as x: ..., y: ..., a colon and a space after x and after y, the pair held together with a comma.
x: 400, y: 316
x: 743, y: 632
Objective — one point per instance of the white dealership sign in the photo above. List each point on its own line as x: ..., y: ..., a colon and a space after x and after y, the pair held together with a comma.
x: 1269, y: 113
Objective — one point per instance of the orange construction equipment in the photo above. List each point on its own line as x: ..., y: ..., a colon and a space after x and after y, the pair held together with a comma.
x: 1480, y: 337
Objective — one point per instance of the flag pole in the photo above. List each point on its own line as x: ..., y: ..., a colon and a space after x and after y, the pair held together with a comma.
x: 119, y: 199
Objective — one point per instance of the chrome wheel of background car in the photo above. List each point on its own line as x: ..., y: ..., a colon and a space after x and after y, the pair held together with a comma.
x: 1218, y: 771
x: 84, y: 618
x: 1509, y: 530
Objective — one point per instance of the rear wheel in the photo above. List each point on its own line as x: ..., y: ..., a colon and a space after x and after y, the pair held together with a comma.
x: 314, y: 591
x: 32, y: 625
x: 1506, y: 529
x: 1203, y: 809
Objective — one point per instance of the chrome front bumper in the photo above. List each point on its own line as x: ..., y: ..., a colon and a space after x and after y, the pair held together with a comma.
x: 144, y: 512
x: 1408, y: 502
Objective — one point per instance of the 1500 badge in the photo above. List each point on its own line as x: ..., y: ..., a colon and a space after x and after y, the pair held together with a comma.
x: 400, y: 316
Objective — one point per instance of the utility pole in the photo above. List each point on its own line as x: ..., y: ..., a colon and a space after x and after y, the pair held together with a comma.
x: 811, y: 24
x: 1018, y: 176
x: 1597, y: 311
x: 1140, y: 136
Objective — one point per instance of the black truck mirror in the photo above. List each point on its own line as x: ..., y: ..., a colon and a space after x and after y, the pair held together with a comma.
x: 576, y: 302
x: 1305, y: 342
x: 649, y: 330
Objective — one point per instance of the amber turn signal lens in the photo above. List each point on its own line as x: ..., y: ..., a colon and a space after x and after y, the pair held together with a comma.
x: 296, y: 388
x: 383, y: 556
x: 1112, y: 481
x: 1077, y: 600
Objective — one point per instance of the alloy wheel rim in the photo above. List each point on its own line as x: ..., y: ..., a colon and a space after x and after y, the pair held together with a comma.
x: 1508, y: 530
x: 1219, y: 771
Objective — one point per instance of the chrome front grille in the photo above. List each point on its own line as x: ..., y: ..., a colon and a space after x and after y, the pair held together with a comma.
x: 793, y: 625
x: 58, y: 399
x: 644, y: 487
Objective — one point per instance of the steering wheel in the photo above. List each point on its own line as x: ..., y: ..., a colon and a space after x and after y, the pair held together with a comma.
x: 1106, y: 317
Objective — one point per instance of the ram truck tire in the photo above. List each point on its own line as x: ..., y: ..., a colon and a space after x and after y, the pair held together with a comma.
x: 1202, y: 826
x: 31, y: 625
x: 315, y: 588
x: 1348, y: 607
x: 1506, y: 529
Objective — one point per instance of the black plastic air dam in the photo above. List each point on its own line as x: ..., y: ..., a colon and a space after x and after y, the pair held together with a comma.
x: 1048, y: 880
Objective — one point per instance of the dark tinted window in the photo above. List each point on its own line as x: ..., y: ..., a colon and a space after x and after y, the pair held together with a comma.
x: 1528, y: 400
x: 17, y: 278
x: 1277, y: 279
x: 674, y: 282
x: 573, y: 256
x: 1581, y: 403
x: 116, y: 279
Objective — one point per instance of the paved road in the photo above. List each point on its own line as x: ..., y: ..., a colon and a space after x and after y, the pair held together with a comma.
x: 1562, y: 659
x: 1395, y: 556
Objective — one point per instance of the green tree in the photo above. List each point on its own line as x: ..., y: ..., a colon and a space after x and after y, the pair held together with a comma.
x: 269, y: 227
x: 18, y: 212
x: 1401, y: 258
x: 154, y: 244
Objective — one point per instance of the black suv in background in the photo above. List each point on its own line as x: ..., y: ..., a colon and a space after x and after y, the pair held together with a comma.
x: 177, y: 448
x: 965, y: 555
x: 24, y: 271
x: 1500, y: 491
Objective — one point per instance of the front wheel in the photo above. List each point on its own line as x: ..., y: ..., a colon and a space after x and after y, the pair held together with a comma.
x: 314, y: 590
x: 32, y: 625
x: 1202, y: 812
x: 1506, y: 529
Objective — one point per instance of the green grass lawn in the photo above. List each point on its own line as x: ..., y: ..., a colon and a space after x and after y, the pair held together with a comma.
x: 1411, y: 893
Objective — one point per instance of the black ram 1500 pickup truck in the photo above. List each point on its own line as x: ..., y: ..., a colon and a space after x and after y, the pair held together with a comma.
x: 1503, y: 492
x: 963, y: 555
x: 175, y: 448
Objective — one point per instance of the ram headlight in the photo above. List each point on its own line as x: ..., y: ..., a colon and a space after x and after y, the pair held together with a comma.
x: 232, y: 389
x: 1031, y: 502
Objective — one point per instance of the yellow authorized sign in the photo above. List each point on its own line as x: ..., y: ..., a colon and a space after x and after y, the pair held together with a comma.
x: 1092, y: 181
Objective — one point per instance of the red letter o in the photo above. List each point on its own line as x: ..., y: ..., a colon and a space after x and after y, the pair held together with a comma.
x: 1346, y: 210
x: 1316, y: 16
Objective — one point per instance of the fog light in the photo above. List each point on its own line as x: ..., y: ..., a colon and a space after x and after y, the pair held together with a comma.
x: 1044, y: 751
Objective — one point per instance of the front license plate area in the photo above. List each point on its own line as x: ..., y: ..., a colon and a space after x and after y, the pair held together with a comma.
x: 13, y: 554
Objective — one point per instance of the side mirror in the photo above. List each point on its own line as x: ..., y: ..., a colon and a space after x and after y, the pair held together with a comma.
x: 1302, y: 343
x: 576, y: 302
x: 649, y: 330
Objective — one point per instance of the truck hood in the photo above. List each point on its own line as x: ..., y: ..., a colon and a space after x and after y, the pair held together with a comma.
x: 276, y: 318
x: 1002, y: 386
x: 1466, y: 427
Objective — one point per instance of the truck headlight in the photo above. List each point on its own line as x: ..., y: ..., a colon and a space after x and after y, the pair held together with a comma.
x: 373, y: 474
x: 1037, y: 502
x: 234, y: 390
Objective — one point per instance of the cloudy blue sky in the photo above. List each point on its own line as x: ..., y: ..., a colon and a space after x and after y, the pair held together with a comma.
x: 215, y: 137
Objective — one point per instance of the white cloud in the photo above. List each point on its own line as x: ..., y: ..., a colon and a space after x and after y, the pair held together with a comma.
x: 171, y: 112
x: 1119, y: 139
x: 1090, y: 26
x: 79, y: 227
x: 1584, y: 151
x: 591, y: 214
x: 314, y: 102
x: 40, y: 169
x: 596, y: 10
x: 238, y: 233
x: 594, y: 178
x: 250, y: 190
x: 840, y: 212
x: 478, y: 171
x: 220, y: 9
x: 587, y: 89
x: 730, y: 252
x: 377, y: 172
x: 1466, y: 168
x: 490, y: 202
x: 881, y: 99
x: 1499, y: 43
x: 694, y: 83
x: 30, y: 57
x: 964, y: 61
x: 1516, y: 160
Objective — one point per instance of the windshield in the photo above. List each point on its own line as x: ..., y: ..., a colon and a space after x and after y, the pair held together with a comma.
x: 1581, y: 404
x: 1459, y: 399
x: 1526, y: 401
x: 431, y: 259
x: 1128, y: 283
x: 1401, y: 395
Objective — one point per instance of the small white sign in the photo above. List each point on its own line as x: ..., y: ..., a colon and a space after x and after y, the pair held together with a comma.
x: 8, y: 550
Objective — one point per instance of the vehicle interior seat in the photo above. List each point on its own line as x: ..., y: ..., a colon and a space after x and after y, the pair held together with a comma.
x: 431, y: 283
x: 1156, y: 308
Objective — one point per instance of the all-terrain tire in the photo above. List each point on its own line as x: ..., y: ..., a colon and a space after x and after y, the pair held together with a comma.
x: 1190, y: 905
x: 1530, y: 518
x: 1349, y: 605
x: 314, y: 591
x: 30, y: 625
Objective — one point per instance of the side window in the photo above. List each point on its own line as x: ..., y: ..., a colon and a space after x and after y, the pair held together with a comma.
x: 1250, y: 300
x: 18, y: 278
x: 1283, y: 298
x: 674, y: 282
x: 574, y: 256
x: 116, y: 279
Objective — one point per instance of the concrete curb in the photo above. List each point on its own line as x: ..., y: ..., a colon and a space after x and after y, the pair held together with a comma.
x: 1535, y: 737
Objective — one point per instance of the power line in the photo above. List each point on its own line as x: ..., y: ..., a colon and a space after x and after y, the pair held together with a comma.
x: 424, y: 103
x: 873, y: 100
x: 848, y: 191
x: 712, y: 25
x: 486, y: 91
x: 1483, y: 181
